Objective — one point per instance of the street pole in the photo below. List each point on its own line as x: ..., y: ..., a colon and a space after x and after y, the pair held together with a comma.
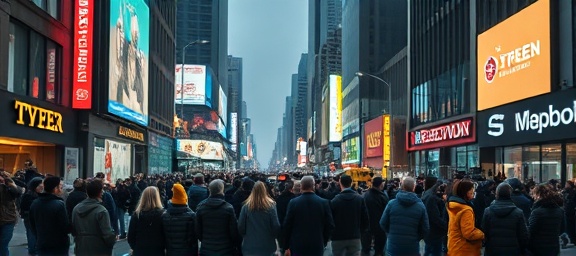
x: 389, y: 112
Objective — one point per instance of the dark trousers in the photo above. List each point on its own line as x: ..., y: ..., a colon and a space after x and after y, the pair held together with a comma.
x: 379, y: 238
x: 433, y: 247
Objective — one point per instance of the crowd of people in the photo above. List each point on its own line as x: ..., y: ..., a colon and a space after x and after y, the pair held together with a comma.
x: 241, y: 213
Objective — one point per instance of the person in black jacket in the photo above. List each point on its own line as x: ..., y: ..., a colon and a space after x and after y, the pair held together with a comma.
x: 49, y: 220
x: 546, y: 221
x: 146, y: 230
x: 436, y: 210
x: 179, y: 225
x: 521, y: 200
x: 350, y: 219
x: 282, y: 206
x: 76, y: 196
x: 241, y: 195
x: 34, y: 188
x: 121, y: 197
x: 502, y: 222
x: 569, y: 194
x: 216, y: 224
x: 376, y: 201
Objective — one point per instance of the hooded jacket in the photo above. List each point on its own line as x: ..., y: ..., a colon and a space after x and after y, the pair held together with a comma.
x: 376, y: 201
x: 463, y: 237
x: 546, y: 223
x: 502, y: 222
x: 216, y: 227
x: 91, y: 228
x: 406, y: 223
x: 350, y: 215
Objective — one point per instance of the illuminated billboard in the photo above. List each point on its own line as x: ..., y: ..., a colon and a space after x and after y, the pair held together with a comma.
x: 223, y: 105
x: 208, y: 150
x: 351, y: 150
x: 128, y: 67
x: 195, y: 85
x: 234, y: 130
x: 335, y: 116
x: 514, y: 57
x: 82, y: 71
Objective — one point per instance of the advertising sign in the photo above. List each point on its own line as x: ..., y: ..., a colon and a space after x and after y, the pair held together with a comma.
x: 51, y: 76
x: 159, y: 153
x: 128, y: 73
x: 194, y: 85
x: 71, y: 165
x: 514, y: 57
x: 450, y: 134
x: 234, y: 130
x: 335, y: 133
x: 82, y: 62
x: 351, y: 151
x: 113, y: 159
x: 208, y: 150
x: 549, y: 117
x: 373, y: 146
x: 387, y: 139
x: 302, y: 159
x: 223, y: 105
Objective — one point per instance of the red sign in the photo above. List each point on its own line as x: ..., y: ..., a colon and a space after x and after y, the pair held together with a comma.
x: 82, y: 72
x: 451, y: 134
x: 373, y: 137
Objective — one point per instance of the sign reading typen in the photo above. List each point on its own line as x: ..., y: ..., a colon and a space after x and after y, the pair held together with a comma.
x: 514, y: 63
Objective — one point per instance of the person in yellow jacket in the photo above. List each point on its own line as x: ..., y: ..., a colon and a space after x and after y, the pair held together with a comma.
x: 463, y: 237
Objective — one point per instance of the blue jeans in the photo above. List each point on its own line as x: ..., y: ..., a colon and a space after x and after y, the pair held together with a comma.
x: 433, y: 247
x: 30, y: 237
x: 121, y: 213
x: 6, y: 232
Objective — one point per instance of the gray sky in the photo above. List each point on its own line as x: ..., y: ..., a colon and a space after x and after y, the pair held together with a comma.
x: 269, y: 36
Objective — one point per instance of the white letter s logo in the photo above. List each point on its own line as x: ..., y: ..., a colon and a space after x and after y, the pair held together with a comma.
x: 498, y: 126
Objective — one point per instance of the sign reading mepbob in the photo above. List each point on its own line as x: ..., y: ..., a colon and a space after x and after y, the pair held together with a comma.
x: 514, y: 57
x: 543, y: 118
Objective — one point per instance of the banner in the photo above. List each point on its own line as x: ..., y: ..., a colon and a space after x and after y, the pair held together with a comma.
x: 194, y: 85
x: 82, y: 61
x: 335, y: 116
x: 203, y: 149
x: 373, y: 145
x: 70, y: 165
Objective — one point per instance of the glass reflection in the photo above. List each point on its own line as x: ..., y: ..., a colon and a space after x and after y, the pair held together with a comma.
x: 551, y: 161
x: 571, y: 161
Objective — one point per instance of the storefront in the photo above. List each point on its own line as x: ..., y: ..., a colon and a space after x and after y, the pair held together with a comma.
x: 442, y: 149
x: 534, y: 139
x: 160, y: 150
x: 117, y: 149
x: 197, y: 154
x: 36, y: 130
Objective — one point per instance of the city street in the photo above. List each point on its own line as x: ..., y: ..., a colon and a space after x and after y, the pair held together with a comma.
x: 18, y: 245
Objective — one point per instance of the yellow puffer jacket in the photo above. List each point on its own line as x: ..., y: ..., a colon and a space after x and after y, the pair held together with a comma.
x: 463, y: 237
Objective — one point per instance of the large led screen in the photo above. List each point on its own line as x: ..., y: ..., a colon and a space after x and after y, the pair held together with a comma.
x: 208, y: 150
x: 234, y: 130
x: 222, y: 112
x: 335, y: 116
x: 128, y: 67
x: 195, y: 85
x: 113, y: 159
x: 514, y: 57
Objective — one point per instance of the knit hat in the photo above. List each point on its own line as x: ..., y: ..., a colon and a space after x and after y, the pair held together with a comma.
x: 179, y: 196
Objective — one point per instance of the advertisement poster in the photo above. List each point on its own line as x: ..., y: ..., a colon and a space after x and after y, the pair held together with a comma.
x: 350, y: 151
x: 234, y: 130
x: 194, y: 85
x: 82, y: 64
x: 223, y: 106
x: 129, y: 46
x: 208, y: 150
x: 71, y: 165
x: 514, y: 57
x: 373, y: 137
x: 112, y: 158
x: 159, y: 154
x: 335, y: 116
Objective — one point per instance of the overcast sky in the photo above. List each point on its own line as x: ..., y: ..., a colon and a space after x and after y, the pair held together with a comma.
x: 269, y: 36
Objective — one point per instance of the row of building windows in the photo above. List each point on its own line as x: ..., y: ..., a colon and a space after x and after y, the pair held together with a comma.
x: 34, y: 64
x: 52, y: 7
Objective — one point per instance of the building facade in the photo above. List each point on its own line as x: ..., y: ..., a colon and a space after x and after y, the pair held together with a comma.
x: 234, y: 103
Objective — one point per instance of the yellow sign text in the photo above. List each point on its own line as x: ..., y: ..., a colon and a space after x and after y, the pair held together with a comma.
x: 38, y: 117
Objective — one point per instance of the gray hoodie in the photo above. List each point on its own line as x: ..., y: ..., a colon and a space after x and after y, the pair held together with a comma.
x: 91, y: 229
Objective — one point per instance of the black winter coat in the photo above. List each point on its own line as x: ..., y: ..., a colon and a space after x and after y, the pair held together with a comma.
x: 282, y: 204
x: 546, y: 223
x: 73, y: 199
x: 179, y: 231
x: 217, y: 227
x: 350, y: 215
x: 121, y: 197
x: 376, y: 201
x: 146, y: 233
x: 49, y: 222
x: 504, y: 229
x: 523, y: 202
x: 436, y: 210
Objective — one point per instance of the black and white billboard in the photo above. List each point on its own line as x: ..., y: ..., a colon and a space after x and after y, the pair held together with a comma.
x: 550, y: 117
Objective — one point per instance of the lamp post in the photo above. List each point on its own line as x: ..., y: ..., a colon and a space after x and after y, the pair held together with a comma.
x: 182, y: 71
x: 360, y: 74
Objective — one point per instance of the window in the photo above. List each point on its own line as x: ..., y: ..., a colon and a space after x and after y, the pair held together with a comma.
x: 512, y: 162
x: 33, y: 64
x: 551, y: 162
x: 52, y: 7
x: 531, y: 163
x: 571, y: 161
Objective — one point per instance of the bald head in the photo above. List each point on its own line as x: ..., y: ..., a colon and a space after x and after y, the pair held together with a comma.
x: 408, y: 184
x: 307, y: 184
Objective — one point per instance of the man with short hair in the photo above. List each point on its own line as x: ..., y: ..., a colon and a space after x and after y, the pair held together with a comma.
x: 197, y: 192
x: 405, y: 221
x: 350, y: 219
x: 216, y: 224
x: 376, y: 201
x: 49, y: 220
x: 76, y: 196
x: 91, y: 227
x: 308, y: 222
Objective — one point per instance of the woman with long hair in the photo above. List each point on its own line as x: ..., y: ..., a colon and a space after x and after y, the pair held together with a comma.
x: 258, y: 222
x: 546, y: 221
x: 146, y: 231
x: 463, y: 236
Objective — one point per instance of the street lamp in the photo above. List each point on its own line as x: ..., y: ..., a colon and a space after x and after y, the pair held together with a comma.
x: 182, y: 71
x: 360, y: 74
